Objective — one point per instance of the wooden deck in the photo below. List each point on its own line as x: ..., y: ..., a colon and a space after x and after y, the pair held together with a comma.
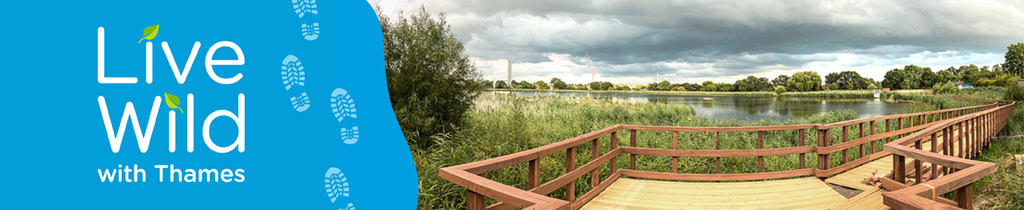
x: 799, y: 193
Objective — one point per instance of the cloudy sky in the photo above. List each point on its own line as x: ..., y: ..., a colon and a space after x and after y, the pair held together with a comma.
x: 636, y: 42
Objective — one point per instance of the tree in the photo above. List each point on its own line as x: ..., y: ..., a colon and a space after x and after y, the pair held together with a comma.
x: 893, y: 79
x: 500, y: 84
x: 708, y: 86
x: 948, y: 75
x: 752, y: 83
x: 595, y: 86
x: 526, y: 85
x: 806, y: 81
x: 846, y: 80
x: 781, y: 80
x: 487, y: 83
x: 558, y: 84
x: 664, y: 85
x: 1014, y: 64
x: 541, y: 85
x: 431, y: 81
x: 605, y: 85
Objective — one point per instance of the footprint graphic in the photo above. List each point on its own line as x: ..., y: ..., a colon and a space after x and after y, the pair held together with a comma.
x: 336, y: 184
x: 301, y: 102
x: 349, y: 207
x: 350, y: 136
x: 304, y: 6
x: 292, y: 72
x: 311, y: 32
x: 342, y: 104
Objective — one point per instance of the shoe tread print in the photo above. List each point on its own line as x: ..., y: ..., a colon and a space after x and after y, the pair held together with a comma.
x: 311, y: 31
x: 349, y: 207
x: 301, y: 102
x: 302, y: 7
x: 350, y: 136
x: 342, y: 104
x: 336, y: 184
x: 292, y: 72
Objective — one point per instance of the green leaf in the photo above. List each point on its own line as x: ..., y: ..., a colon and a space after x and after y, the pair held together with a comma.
x: 173, y: 102
x: 150, y: 32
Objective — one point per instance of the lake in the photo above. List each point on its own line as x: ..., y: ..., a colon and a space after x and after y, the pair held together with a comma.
x: 744, y: 107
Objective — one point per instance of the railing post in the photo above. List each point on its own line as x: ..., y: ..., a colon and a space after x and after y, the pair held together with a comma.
x: 900, y: 128
x: 570, y: 165
x: 533, y: 179
x: 614, y: 145
x: 861, y: 137
x: 900, y: 173
x: 802, y: 155
x: 935, y: 149
x: 595, y: 148
x: 846, y: 137
x: 760, y: 145
x: 632, y: 143
x: 675, y: 146
x: 888, y: 126
x: 474, y: 201
x: 964, y: 197
x: 917, y: 163
x: 873, y: 133
x: 718, y: 160
x: 960, y: 140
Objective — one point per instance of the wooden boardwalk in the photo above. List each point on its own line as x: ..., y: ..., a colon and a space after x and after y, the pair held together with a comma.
x: 799, y: 193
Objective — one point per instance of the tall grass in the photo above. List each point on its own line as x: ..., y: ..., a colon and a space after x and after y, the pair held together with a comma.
x: 508, y: 124
x: 1003, y: 189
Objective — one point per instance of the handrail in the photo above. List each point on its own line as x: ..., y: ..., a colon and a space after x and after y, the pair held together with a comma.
x: 972, y: 132
x: 472, y: 175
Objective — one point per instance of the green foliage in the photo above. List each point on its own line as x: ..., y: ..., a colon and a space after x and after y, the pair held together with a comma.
x: 846, y: 80
x: 805, y: 81
x: 708, y: 86
x: 541, y: 85
x: 946, y: 88
x: 431, y: 81
x: 910, y: 77
x: 500, y: 84
x: 1014, y: 93
x: 781, y: 80
x: 1014, y: 63
x: 872, y: 87
x: 558, y: 84
x: 752, y: 83
x: 780, y: 89
x: 1002, y: 80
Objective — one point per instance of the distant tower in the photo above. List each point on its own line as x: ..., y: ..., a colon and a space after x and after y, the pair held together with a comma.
x: 503, y: 71
x: 593, y: 71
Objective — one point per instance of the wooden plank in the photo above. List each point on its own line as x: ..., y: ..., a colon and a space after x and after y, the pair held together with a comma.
x: 718, y: 153
x: 474, y: 201
x: 718, y: 177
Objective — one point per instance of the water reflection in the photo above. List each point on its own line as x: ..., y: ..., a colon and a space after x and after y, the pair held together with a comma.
x: 745, y: 108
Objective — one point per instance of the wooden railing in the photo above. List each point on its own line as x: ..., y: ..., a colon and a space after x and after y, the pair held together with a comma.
x: 949, y: 165
x: 472, y: 175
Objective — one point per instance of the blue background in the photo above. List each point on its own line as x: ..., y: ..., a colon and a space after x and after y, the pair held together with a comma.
x: 53, y: 138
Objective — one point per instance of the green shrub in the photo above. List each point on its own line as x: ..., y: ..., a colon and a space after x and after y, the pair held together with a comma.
x: 431, y: 81
x: 1014, y: 93
x: 779, y: 90
x: 944, y: 88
